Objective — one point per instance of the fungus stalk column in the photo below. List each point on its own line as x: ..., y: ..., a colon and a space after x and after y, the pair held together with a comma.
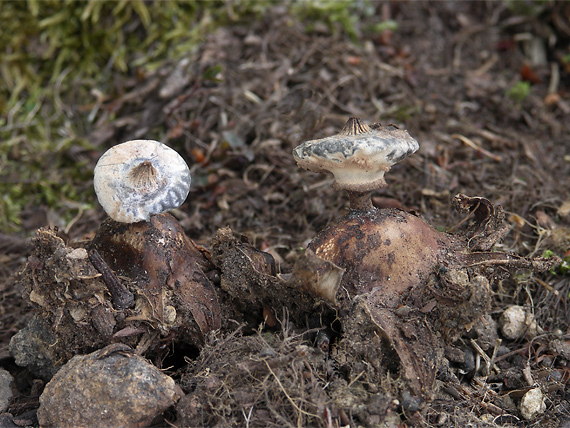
x: 360, y: 201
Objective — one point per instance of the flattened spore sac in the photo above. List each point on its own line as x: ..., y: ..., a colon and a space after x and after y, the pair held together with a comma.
x: 358, y: 156
x: 139, y: 178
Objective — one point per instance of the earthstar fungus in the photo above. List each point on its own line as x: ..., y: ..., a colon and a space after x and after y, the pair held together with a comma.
x: 376, y: 248
x: 387, y: 262
x: 141, y: 279
x: 136, y: 183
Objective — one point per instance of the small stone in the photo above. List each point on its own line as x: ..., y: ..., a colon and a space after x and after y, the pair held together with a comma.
x: 31, y: 347
x: 561, y: 348
x: 516, y: 321
x: 391, y: 419
x: 512, y: 322
x: 110, y: 387
x: 410, y: 403
x: 532, y: 404
x: 6, y: 394
x: 78, y: 254
x: 513, y: 378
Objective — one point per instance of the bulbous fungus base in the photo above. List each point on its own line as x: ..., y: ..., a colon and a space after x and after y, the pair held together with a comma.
x: 168, y: 269
x: 384, y: 252
x: 416, y: 289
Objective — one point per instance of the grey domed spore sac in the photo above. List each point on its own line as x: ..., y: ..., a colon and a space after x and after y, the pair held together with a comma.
x: 140, y: 178
x: 359, y: 155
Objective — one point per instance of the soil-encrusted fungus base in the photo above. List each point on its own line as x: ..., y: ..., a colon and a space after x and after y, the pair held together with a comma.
x: 154, y: 263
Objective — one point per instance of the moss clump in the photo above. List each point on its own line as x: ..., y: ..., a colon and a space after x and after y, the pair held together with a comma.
x: 52, y: 56
x: 60, y: 60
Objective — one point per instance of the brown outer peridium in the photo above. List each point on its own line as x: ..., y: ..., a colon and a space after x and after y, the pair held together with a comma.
x: 384, y: 252
x: 167, y: 267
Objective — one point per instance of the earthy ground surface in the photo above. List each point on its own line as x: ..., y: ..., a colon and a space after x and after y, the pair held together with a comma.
x: 484, y: 89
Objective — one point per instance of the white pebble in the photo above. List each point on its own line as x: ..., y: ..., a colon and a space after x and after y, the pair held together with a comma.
x: 516, y: 321
x: 532, y: 404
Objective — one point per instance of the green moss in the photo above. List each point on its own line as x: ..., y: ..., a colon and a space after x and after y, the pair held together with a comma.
x: 519, y: 91
x: 531, y: 8
x: 340, y: 16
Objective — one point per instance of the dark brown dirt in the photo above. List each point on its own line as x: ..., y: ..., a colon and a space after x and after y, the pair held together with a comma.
x: 444, y: 75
